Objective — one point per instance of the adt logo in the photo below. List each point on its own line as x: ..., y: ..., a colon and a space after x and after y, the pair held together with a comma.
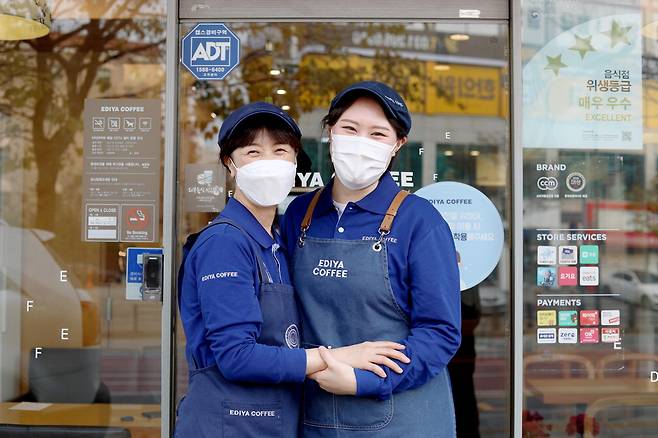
x: 210, y: 51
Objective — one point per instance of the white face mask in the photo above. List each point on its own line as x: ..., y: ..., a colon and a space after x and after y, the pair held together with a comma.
x: 266, y: 182
x: 359, y: 161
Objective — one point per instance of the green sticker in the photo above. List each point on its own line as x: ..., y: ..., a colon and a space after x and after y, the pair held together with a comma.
x: 568, y: 318
x: 589, y: 254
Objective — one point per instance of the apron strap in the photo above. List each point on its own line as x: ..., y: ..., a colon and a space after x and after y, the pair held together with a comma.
x: 384, y: 227
x: 306, y: 222
x: 387, y: 223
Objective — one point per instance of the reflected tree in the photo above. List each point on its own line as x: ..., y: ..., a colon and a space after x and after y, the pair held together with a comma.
x: 44, y: 82
x: 311, y: 63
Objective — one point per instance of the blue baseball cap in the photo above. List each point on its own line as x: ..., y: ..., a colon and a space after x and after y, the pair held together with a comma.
x: 250, y: 110
x: 391, y: 102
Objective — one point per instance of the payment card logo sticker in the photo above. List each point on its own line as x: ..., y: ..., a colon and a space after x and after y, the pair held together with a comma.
x: 476, y: 226
x: 210, y: 51
x: 589, y: 254
x: 567, y: 336
x: 546, y: 255
x: 568, y: 276
x: 610, y: 335
x: 568, y: 255
x: 610, y: 317
x: 547, y: 277
x: 546, y: 336
x: 546, y: 317
x: 589, y: 317
x: 589, y: 275
x: 589, y: 335
x: 568, y: 318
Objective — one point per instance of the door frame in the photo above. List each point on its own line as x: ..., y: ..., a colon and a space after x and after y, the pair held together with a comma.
x: 516, y: 218
x: 179, y: 11
x: 169, y: 231
x: 308, y: 10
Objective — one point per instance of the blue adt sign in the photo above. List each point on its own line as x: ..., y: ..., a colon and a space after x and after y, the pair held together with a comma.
x: 210, y: 51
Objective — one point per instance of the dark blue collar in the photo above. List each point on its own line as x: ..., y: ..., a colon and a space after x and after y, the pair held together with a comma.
x: 239, y: 214
x: 376, y: 201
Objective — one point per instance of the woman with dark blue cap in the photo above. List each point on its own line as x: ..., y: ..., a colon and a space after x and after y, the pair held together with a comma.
x: 397, y: 278
x: 237, y: 304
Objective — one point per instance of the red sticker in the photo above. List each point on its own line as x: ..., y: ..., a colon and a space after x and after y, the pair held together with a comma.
x: 568, y: 276
x: 589, y: 335
x: 589, y: 317
x: 137, y: 218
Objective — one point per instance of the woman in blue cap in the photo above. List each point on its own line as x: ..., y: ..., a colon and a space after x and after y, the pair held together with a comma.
x: 394, y: 276
x: 237, y: 306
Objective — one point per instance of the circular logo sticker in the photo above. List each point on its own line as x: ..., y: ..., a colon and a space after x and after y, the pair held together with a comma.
x: 576, y: 181
x: 292, y: 336
x: 476, y: 226
x: 547, y: 183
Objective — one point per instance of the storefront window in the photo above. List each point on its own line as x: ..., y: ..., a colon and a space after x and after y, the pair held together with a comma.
x: 78, y: 352
x: 454, y: 77
x: 590, y: 234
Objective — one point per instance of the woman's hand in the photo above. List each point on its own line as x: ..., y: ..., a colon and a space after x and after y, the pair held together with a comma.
x: 338, y: 378
x: 369, y: 355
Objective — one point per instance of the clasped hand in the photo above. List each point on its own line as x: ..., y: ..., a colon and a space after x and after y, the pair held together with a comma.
x: 338, y: 377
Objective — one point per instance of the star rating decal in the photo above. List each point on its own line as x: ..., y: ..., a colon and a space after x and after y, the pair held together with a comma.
x: 555, y: 64
x: 583, y: 45
x: 618, y: 34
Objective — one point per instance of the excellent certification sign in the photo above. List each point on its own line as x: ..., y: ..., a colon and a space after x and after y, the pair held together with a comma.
x: 583, y: 89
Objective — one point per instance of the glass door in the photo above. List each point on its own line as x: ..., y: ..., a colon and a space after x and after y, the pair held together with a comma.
x: 80, y: 198
x: 590, y: 203
x: 454, y: 76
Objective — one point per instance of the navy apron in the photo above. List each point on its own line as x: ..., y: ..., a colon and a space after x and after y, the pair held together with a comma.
x: 346, y: 298
x: 215, y: 407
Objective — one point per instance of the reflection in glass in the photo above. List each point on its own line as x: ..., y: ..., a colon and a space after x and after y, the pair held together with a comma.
x: 69, y: 336
x: 457, y: 90
x: 590, y: 216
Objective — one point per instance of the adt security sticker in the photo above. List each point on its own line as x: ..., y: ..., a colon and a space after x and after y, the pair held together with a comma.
x: 210, y: 51
x: 134, y: 270
x: 476, y: 226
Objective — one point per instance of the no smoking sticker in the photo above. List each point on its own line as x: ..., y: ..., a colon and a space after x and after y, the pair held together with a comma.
x: 137, y: 223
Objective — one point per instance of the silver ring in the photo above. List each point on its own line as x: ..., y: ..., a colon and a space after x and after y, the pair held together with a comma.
x: 377, y: 246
